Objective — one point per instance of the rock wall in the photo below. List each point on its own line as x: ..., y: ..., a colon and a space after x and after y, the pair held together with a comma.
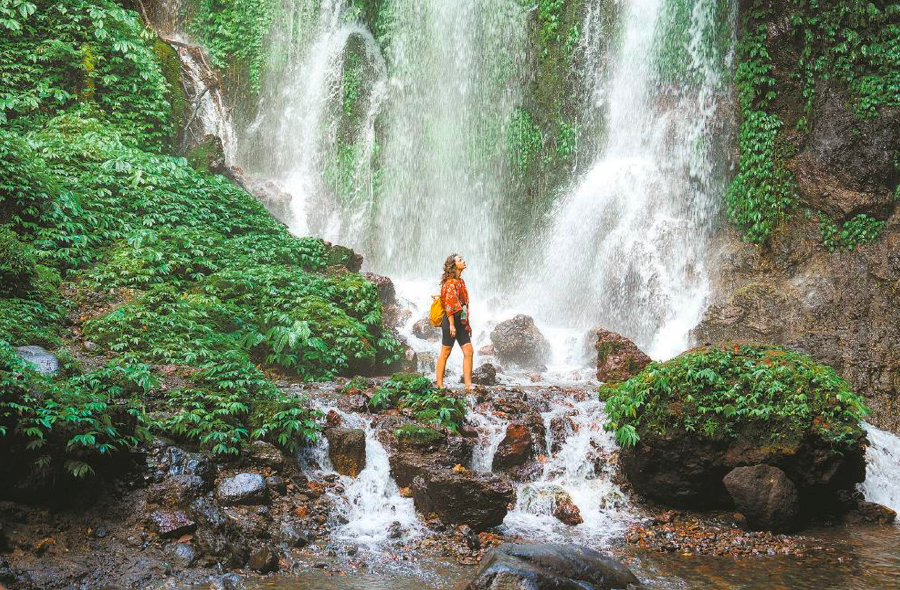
x: 842, y: 306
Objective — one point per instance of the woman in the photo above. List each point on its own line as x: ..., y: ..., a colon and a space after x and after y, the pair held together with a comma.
x: 455, y: 325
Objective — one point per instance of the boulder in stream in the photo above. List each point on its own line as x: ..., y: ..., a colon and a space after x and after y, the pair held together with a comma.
x: 485, y: 374
x: 618, y: 358
x: 515, y: 448
x: 243, y: 488
x: 42, y: 360
x: 766, y: 497
x: 517, y: 340
x: 461, y: 496
x: 347, y: 450
x: 551, y: 565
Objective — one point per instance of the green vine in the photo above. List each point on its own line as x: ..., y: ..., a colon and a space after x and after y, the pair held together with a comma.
x: 860, y: 229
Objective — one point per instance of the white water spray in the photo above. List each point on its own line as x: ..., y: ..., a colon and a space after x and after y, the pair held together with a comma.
x: 882, y: 483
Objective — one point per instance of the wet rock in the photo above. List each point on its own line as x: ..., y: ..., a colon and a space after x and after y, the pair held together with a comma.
x: 566, y: 511
x: 387, y: 294
x: 42, y: 360
x: 217, y: 536
x: 872, y: 513
x: 228, y: 582
x: 487, y: 350
x: 354, y: 403
x: 265, y: 455
x: 90, y: 346
x: 183, y: 555
x: 243, y: 488
x: 515, y: 448
x: 172, y: 523
x: 486, y: 374
x: 276, y: 484
x: 470, y: 537
x: 766, y: 497
x: 263, y: 560
x: 618, y: 358
x: 342, y: 256
x: 291, y: 536
x: 181, y: 462
x: 463, y: 497
x: 517, y: 340
x: 412, y: 457
x: 550, y: 565
x: 424, y: 330
x: 333, y: 419
x: 395, y: 531
x: 347, y: 450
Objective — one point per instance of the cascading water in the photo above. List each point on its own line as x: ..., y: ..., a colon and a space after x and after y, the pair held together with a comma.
x: 371, y: 502
x: 882, y: 468
x: 630, y: 241
x: 315, y: 132
x: 577, y: 467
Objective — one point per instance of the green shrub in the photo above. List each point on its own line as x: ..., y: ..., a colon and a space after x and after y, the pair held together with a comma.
x: 17, y: 264
x: 861, y: 229
x: 760, y: 392
x: 414, y: 392
x: 418, y: 434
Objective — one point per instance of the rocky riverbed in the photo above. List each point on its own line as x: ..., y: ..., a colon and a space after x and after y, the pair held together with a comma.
x: 180, y: 517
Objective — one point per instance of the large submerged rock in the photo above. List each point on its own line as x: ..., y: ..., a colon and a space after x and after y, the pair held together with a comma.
x: 517, y: 340
x: 766, y: 497
x: 347, y: 450
x: 547, y: 566
x: 715, y: 409
x: 457, y: 496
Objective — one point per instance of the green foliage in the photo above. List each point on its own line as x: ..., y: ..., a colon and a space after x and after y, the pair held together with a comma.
x: 763, y: 191
x: 860, y: 229
x: 356, y: 384
x: 855, y: 42
x: 75, y: 420
x: 414, y: 393
x: 759, y: 393
x: 688, y: 30
x: 26, y: 186
x: 234, y: 32
x: 17, y: 264
x: 549, y: 14
x: 525, y: 141
x: 56, y: 54
x: 418, y: 434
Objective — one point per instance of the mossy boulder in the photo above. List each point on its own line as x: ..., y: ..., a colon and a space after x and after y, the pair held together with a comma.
x: 686, y: 423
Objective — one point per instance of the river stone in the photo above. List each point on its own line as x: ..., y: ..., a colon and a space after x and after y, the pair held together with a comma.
x: 263, y: 560
x: 618, y: 358
x: 479, y: 500
x: 292, y: 537
x: 172, y: 523
x: 347, y: 450
x: 184, y: 554
x: 551, y: 566
x: 42, y: 360
x: 486, y: 374
x: 765, y: 496
x: 517, y: 340
x: 266, y: 455
x: 181, y: 462
x: 424, y: 330
x: 515, y: 448
x: 243, y: 488
x: 871, y: 512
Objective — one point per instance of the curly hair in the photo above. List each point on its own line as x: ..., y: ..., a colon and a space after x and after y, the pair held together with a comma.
x: 450, y: 271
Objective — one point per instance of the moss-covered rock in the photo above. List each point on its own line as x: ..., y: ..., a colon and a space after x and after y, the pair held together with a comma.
x: 170, y: 64
x: 684, y: 424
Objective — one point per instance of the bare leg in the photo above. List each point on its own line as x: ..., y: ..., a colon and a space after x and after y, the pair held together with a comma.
x: 468, y: 355
x: 441, y: 363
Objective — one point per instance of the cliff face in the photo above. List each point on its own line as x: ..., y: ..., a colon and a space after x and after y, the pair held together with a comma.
x: 827, y: 281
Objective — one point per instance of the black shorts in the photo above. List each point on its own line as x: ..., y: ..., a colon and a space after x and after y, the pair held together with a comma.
x: 462, y: 335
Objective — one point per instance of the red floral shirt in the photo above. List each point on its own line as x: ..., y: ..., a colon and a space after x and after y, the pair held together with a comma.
x: 455, y: 297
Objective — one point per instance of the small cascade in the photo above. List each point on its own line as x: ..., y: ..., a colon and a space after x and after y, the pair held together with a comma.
x: 491, y: 430
x: 371, y: 502
x: 882, y: 468
x: 209, y: 114
x: 578, y: 467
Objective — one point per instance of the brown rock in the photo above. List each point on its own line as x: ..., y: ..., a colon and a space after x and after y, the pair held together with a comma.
x: 475, y: 499
x: 172, y: 523
x: 766, y: 497
x: 264, y: 560
x: 424, y: 330
x: 515, y: 448
x: 517, y: 340
x: 347, y: 450
x: 567, y: 512
x: 618, y: 358
x: 333, y: 419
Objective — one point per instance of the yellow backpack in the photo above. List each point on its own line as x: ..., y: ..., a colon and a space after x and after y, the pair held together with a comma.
x: 437, y: 312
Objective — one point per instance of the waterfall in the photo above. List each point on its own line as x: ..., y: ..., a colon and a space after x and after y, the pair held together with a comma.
x: 627, y: 248
x: 491, y: 430
x: 882, y: 468
x: 315, y: 130
x: 578, y: 465
x: 371, y: 502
